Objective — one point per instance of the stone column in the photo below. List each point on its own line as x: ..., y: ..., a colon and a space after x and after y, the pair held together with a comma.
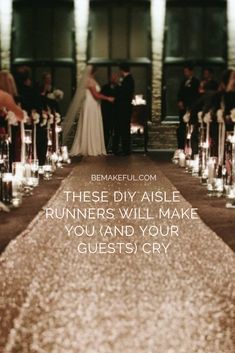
x: 158, y: 11
x: 5, y: 33
x: 161, y: 135
x: 81, y: 17
x: 231, y: 33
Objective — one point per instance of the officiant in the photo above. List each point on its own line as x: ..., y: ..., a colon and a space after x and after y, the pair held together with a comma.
x: 108, y: 109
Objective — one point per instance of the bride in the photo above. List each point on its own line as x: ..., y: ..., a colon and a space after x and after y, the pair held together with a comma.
x: 89, y: 137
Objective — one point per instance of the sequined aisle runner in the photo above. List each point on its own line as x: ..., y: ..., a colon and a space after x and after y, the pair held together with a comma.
x: 56, y: 300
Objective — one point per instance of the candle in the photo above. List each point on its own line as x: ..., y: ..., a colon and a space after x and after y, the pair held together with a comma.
x: 57, y: 131
x: 7, y: 188
x: 65, y: 154
x: 204, y: 176
x: 211, y: 167
x: 34, y: 141
x: 16, y: 202
x: 47, y: 172
x: 28, y: 136
x: 22, y: 135
x: 182, y: 160
x: 18, y: 170
x: 195, y: 169
x: 16, y: 191
x: 219, y: 187
x: 27, y: 170
x: 35, y: 172
x: 230, y: 197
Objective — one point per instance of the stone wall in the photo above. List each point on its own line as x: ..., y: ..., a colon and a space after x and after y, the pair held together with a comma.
x: 5, y: 33
x: 231, y: 33
x: 81, y: 18
x: 161, y: 135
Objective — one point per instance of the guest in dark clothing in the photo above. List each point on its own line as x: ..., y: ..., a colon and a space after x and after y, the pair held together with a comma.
x: 46, y: 85
x: 123, y: 106
x: 108, y: 109
x: 31, y: 99
x: 208, y: 84
x: 225, y: 97
x: 207, y: 89
x: 187, y: 96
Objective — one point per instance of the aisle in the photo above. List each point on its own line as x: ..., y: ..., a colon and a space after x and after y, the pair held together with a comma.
x: 57, y: 300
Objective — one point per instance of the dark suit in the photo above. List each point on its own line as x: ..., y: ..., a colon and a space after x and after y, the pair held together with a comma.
x: 108, y: 111
x: 188, y: 94
x: 123, y: 108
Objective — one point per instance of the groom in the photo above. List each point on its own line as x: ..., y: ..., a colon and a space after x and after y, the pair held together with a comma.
x: 123, y: 109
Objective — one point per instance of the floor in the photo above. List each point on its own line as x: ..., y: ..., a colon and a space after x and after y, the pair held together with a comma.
x: 166, y: 288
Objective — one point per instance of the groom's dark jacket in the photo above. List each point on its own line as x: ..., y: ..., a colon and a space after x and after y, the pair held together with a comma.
x: 125, y: 94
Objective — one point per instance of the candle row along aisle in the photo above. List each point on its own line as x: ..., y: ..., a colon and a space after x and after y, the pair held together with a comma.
x: 214, y: 164
x: 19, y: 178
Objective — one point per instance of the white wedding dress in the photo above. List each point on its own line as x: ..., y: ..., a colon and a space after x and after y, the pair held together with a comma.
x: 89, y: 137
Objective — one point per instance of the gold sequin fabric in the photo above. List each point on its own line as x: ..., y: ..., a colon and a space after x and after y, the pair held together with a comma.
x: 55, y: 299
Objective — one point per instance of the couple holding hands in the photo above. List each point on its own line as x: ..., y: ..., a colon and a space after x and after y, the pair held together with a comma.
x: 89, y: 138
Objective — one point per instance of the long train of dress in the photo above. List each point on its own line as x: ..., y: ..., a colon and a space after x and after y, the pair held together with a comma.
x: 55, y: 300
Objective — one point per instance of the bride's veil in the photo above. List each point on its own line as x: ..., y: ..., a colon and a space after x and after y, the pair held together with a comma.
x: 75, y: 107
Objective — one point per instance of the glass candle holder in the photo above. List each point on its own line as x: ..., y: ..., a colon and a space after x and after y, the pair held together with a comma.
x: 18, y: 170
x: 65, y: 154
x: 211, y: 187
x: 211, y: 165
x: 40, y: 171
x: 7, y: 188
x: 28, y: 144
x: 47, y: 172
x: 17, y: 191
x: 27, y: 181
x: 195, y: 169
x: 204, y: 176
x: 182, y: 159
x: 35, y: 172
x: 219, y: 187
x: 230, y: 196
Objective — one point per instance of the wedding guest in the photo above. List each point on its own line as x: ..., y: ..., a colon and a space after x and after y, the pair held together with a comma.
x: 6, y: 101
x: 123, y: 106
x: 208, y: 83
x: 187, y: 96
x: 29, y: 94
x: 222, y: 99
x: 8, y: 85
x: 225, y: 97
x: 108, y: 108
x: 48, y: 93
x: 46, y: 84
x: 208, y: 87
x: 32, y: 100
